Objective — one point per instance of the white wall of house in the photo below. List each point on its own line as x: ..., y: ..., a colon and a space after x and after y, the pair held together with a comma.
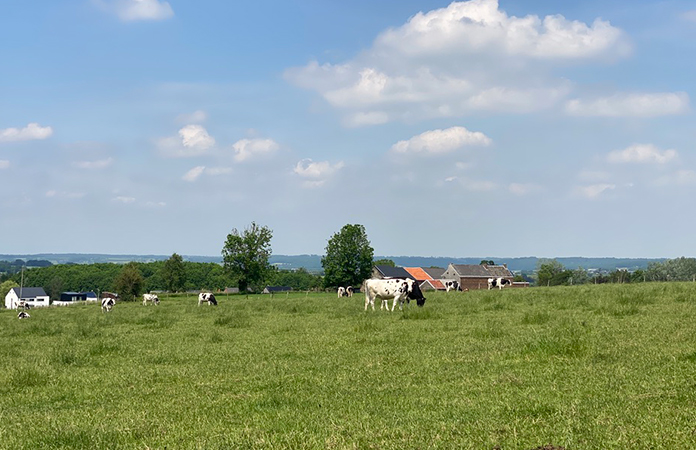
x: 11, y: 300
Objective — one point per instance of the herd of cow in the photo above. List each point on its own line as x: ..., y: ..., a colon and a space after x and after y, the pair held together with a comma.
x: 399, y: 290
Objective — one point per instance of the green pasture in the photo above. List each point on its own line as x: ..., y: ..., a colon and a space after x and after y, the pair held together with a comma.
x: 585, y: 367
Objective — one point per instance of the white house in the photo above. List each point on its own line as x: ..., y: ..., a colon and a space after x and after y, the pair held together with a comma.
x: 33, y: 296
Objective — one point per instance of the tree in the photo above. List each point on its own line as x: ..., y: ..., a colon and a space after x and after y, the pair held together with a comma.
x: 547, y: 270
x: 487, y: 262
x: 5, y: 287
x: 245, y: 255
x: 348, y: 259
x: 384, y: 262
x: 173, y: 273
x: 129, y: 282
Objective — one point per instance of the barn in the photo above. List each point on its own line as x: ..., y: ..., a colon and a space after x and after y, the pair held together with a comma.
x: 425, y: 280
x: 475, y: 276
x: 33, y: 296
x: 276, y: 289
x: 71, y: 298
x: 383, y: 271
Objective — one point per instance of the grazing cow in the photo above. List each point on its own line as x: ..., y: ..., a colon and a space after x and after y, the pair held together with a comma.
x: 400, y: 289
x: 452, y: 285
x: 349, y: 291
x: 152, y: 298
x: 498, y: 282
x: 23, y: 315
x: 341, y: 291
x: 207, y: 297
x: 107, y: 303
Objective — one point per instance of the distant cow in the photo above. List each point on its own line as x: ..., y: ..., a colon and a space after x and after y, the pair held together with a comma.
x: 23, y: 315
x: 401, y: 290
x: 207, y: 297
x: 349, y: 291
x: 498, y: 282
x: 107, y: 304
x: 341, y: 291
x: 152, y: 298
x: 452, y: 285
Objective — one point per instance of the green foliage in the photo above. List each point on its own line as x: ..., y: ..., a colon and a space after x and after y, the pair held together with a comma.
x: 5, y: 287
x: 679, y: 269
x: 550, y: 273
x: 299, y: 280
x: 384, y: 262
x: 487, y: 262
x: 173, y: 274
x: 348, y: 259
x: 129, y: 283
x: 245, y: 256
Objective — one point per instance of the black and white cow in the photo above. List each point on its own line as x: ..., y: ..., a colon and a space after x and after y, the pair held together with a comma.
x: 23, y: 315
x: 207, y: 297
x: 451, y: 285
x: 152, y: 298
x: 498, y: 282
x: 341, y: 291
x: 107, y: 303
x: 349, y: 291
x: 400, y: 289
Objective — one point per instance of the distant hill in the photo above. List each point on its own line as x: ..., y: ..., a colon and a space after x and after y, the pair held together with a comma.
x: 313, y: 262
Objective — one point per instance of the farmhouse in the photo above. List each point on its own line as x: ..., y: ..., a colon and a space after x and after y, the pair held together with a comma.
x: 383, y: 271
x: 71, y: 298
x: 33, y: 296
x: 274, y: 289
x: 475, y: 276
x: 425, y: 280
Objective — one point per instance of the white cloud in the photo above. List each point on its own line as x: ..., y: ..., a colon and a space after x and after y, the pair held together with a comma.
x: 4, y: 164
x: 124, y: 199
x: 594, y: 190
x: 62, y: 194
x: 90, y: 165
x: 642, y: 153
x: 441, y: 141
x: 32, y: 131
x: 193, y: 140
x: 467, y: 57
x: 631, y: 105
x: 689, y: 16
x: 316, y: 173
x: 684, y: 177
x: 246, y: 149
x: 132, y: 10
x: 522, y: 189
x: 218, y: 170
x: 155, y: 204
x: 193, y: 174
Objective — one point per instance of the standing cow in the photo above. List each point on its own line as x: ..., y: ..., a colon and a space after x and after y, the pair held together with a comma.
x: 152, y: 298
x: 341, y: 291
x: 107, y: 303
x: 498, y: 282
x: 207, y: 297
x: 398, y: 289
x: 451, y: 285
x: 349, y: 291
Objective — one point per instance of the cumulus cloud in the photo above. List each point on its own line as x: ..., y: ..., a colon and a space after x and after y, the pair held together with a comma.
x: 466, y: 57
x: 594, y: 190
x: 193, y: 140
x: 441, y: 141
x: 631, y: 105
x: 316, y: 173
x: 689, y: 16
x: 642, y: 153
x: 246, y: 149
x: 683, y: 177
x: 32, y: 131
x: 134, y: 10
x: 123, y: 199
x: 4, y: 164
x: 193, y: 174
x: 522, y: 189
x: 91, y: 165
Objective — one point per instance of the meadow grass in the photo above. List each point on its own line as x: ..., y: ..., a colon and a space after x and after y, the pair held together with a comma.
x: 584, y: 367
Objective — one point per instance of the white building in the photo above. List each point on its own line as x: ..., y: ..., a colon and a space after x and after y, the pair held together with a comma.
x: 33, y: 296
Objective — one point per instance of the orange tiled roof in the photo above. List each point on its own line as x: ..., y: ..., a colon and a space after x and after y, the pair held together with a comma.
x: 418, y: 273
x: 437, y: 284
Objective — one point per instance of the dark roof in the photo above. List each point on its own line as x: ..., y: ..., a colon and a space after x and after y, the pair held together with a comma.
x: 482, y: 271
x: 89, y: 294
x: 30, y: 292
x: 435, y: 272
x: 278, y: 288
x: 393, y: 272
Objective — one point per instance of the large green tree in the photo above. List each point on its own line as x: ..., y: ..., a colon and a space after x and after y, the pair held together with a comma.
x: 348, y: 259
x: 245, y: 256
x: 129, y: 282
x: 173, y: 273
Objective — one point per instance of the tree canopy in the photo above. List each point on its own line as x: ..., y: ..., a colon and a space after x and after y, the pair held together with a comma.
x: 348, y: 259
x: 173, y: 273
x: 245, y: 256
x: 129, y: 282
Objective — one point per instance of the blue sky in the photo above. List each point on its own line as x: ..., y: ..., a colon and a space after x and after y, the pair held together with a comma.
x: 475, y: 128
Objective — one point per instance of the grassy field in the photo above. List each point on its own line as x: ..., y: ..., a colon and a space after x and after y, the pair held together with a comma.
x: 586, y: 367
